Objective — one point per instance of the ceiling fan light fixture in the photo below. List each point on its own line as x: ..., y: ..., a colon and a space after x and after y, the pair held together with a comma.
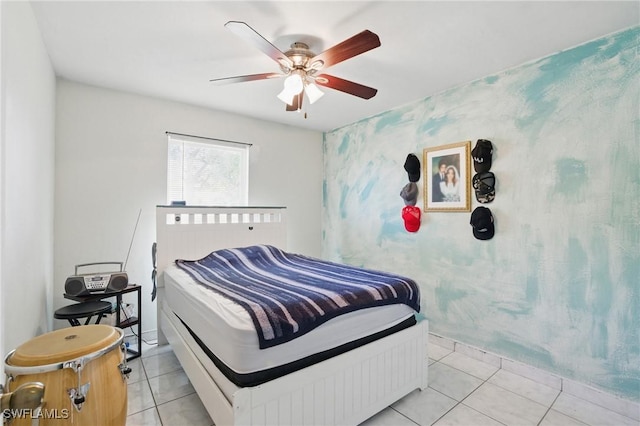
x: 294, y: 82
x: 293, y: 85
x: 312, y: 92
x: 286, y: 96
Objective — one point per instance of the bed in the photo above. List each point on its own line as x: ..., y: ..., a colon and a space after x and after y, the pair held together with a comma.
x: 338, y: 373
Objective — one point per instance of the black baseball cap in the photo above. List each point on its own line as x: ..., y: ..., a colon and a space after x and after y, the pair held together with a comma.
x: 484, y: 184
x: 482, y: 223
x: 481, y: 155
x: 412, y: 166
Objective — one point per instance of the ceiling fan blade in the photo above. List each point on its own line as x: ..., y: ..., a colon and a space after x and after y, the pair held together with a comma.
x: 251, y: 36
x: 296, y: 105
x: 243, y: 78
x: 354, y: 46
x: 346, y: 86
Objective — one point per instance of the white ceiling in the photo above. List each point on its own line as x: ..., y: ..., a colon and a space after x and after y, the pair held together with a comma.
x: 171, y: 50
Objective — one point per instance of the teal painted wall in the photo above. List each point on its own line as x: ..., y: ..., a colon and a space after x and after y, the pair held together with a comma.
x: 558, y: 287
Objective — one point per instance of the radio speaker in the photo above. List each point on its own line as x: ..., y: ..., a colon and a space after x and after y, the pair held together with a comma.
x: 118, y: 281
x: 75, y: 286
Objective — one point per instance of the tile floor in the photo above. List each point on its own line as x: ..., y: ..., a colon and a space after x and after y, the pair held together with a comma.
x: 462, y: 391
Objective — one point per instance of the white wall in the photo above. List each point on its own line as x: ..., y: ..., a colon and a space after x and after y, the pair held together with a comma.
x: 111, y: 160
x: 26, y: 192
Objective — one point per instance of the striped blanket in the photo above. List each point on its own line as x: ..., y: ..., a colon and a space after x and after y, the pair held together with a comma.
x: 288, y: 295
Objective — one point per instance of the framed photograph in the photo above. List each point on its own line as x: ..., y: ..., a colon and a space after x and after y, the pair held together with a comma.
x: 447, y: 179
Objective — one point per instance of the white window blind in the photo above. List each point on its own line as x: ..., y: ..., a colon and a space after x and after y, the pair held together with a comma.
x: 207, y: 172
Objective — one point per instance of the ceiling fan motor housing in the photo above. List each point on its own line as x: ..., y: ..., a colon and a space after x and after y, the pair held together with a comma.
x: 300, y: 55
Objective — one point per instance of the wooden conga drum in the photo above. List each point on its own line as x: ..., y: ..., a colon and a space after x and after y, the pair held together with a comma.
x: 84, y: 372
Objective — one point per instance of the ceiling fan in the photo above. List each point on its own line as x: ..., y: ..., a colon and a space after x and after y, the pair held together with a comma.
x: 302, y: 67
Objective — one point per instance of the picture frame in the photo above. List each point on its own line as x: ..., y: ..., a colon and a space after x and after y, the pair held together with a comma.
x: 453, y: 193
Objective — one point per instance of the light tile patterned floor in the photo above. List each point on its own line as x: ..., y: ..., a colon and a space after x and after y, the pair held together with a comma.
x: 462, y: 391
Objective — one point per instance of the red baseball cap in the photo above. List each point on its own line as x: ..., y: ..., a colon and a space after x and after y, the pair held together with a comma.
x: 411, y: 217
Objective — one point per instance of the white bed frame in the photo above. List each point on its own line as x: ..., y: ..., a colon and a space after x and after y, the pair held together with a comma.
x: 344, y: 390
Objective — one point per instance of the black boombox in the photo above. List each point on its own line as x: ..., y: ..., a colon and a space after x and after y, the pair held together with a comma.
x: 84, y: 284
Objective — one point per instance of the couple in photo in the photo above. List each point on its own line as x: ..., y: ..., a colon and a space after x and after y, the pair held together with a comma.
x: 445, y: 183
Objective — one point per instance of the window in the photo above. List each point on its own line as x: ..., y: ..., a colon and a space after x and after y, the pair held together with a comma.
x: 207, y: 172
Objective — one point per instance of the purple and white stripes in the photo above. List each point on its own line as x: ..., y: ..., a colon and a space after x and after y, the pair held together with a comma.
x: 288, y: 295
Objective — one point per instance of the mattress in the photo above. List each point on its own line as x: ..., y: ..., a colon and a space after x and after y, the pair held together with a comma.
x: 226, y: 329
x: 287, y: 294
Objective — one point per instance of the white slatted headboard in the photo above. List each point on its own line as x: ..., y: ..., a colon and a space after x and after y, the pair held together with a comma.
x: 192, y: 232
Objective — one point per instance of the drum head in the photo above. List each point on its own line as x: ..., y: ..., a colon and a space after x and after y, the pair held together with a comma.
x: 63, y: 345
